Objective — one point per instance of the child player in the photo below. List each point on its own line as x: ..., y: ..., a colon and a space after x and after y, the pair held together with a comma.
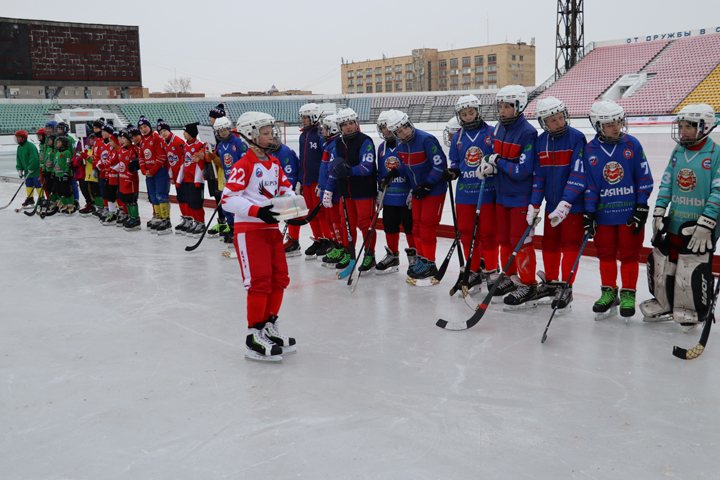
x: 680, y: 266
x: 153, y: 164
x: 559, y: 179
x: 468, y: 147
x: 331, y: 251
x: 191, y: 180
x: 174, y: 151
x: 230, y: 149
x: 396, y: 204
x: 128, y: 166
x: 28, y: 166
x: 254, y: 179
x: 616, y: 205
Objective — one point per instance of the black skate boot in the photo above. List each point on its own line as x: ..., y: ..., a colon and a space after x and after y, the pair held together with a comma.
x: 389, y: 264
x: 271, y: 332
x: 292, y: 247
x: 563, y: 299
x: 164, y: 227
x: 326, y: 247
x: 312, y: 250
x: 627, y: 302
x: 344, y: 261
x: 29, y: 203
x: 368, y: 262
x: 522, y: 298
x: 333, y: 256
x: 132, y: 224
x: 259, y: 347
x: 412, y: 257
x: 606, y: 306
x: 110, y: 220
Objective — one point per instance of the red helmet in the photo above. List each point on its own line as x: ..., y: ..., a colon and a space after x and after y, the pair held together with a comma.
x: 41, y: 131
x: 22, y: 133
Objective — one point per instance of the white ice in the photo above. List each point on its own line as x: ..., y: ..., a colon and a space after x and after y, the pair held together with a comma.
x: 121, y: 357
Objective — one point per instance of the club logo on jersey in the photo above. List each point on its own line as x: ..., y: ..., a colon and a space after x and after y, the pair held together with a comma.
x: 258, y: 173
x: 228, y: 159
x: 628, y: 153
x: 391, y: 163
x: 121, y: 167
x: 147, y: 153
x: 674, y: 161
x: 613, y: 173
x: 593, y: 160
x: 473, y: 156
x: 686, y: 180
x: 264, y: 191
x: 172, y: 159
x: 234, y: 148
x: 706, y: 164
x: 488, y: 141
x: 188, y: 159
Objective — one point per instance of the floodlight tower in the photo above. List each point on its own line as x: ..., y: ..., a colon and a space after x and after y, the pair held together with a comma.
x: 570, y: 37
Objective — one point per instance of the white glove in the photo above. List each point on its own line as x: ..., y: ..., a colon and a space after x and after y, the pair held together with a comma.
x: 560, y: 213
x: 298, y: 188
x: 532, y: 214
x: 486, y: 170
x: 492, y: 159
x: 378, y: 198
x: 317, y: 191
x: 327, y: 199
x: 408, y: 201
x: 702, y: 233
x: 21, y: 173
x: 658, y: 216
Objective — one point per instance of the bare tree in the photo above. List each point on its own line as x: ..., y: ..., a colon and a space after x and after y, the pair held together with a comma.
x: 178, y: 85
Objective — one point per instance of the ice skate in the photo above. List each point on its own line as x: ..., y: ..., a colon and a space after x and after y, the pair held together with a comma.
x: 654, y: 313
x: 607, y: 305
x: 215, y: 230
x: 29, y: 203
x: 344, y: 261
x: 688, y: 327
x: 389, y: 264
x: 326, y: 246
x: 197, y: 230
x: 627, y: 303
x: 132, y: 224
x: 562, y: 300
x: 546, y: 291
x: 152, y: 224
x: 164, y: 227
x: 111, y: 219
x: 474, y: 282
x: 312, y: 250
x: 292, y: 248
x: 261, y: 348
x: 368, y: 263
x: 271, y: 332
x: 333, y: 257
x: 505, y: 287
x: 523, y: 298
x: 423, y: 273
x: 412, y: 257
x: 182, y: 226
x: 121, y: 217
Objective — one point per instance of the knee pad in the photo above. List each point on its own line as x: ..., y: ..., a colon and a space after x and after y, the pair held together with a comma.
x: 661, y: 277
x: 693, y: 287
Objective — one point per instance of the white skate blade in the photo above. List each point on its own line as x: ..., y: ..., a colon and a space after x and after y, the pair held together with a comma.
x: 474, y: 289
x: 328, y: 265
x: 228, y: 254
x: 421, y: 282
x: 387, y: 270
x: 546, y: 300
x: 610, y: 313
x: 523, y: 306
x: 498, y: 299
x: 153, y: 231
x: 164, y: 232
x: 310, y: 257
x: 290, y: 349
x: 563, y: 311
x: 253, y: 355
x: 296, y: 253
x: 667, y: 317
x: 369, y: 271
x: 689, y: 328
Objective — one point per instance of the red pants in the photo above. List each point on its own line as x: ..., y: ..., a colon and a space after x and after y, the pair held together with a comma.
x: 486, y: 243
x: 319, y: 224
x: 427, y: 213
x: 511, y: 225
x: 360, y: 213
x: 564, y: 242
x: 616, y: 242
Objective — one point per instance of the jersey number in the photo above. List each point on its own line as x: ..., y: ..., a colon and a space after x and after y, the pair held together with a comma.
x: 579, y: 166
x: 239, y: 172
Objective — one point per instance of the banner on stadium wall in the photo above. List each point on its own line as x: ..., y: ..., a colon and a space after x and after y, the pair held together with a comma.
x: 660, y: 120
x: 660, y: 36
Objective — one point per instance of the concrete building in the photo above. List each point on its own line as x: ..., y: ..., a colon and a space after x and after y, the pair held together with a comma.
x: 430, y: 70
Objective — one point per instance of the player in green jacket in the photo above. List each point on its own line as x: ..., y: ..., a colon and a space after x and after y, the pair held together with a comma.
x: 28, y: 166
x: 63, y: 175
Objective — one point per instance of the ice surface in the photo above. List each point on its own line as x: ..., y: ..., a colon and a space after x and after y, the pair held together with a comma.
x: 121, y: 357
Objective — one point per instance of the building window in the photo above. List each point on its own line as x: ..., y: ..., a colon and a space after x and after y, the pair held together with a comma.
x: 27, y: 92
x: 351, y: 90
x: 521, y: 58
x: 76, y: 93
x: 492, y: 68
x: 408, y: 68
x: 521, y: 76
x: 408, y: 85
x: 514, y: 76
x: 454, y: 71
x: 378, y: 88
x: 478, y: 69
x: 408, y: 76
x: 512, y: 66
x: 492, y: 58
x: 351, y: 82
x: 378, y: 79
x: 466, y: 61
x: 40, y: 92
x: 466, y: 80
x: 453, y: 81
x: 492, y: 78
x: 99, y: 92
x: 388, y: 69
x: 453, y: 88
x: 378, y: 71
x: 454, y: 62
x: 467, y: 71
x: 443, y: 81
x: 368, y: 72
x: 398, y: 68
x: 513, y: 58
x: 443, y: 64
x: 479, y: 79
x: 388, y: 87
x: 398, y: 77
x: 398, y: 86
x: 388, y: 78
x: 520, y: 67
x: 478, y: 60
x: 360, y: 81
x: 351, y: 74
x: 466, y: 87
x: 368, y: 89
x: 359, y: 73
x: 360, y: 89
x: 442, y: 73
x: 443, y: 89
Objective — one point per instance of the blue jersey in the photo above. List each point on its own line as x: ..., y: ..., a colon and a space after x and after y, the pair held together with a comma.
x: 289, y: 162
x: 467, y: 149
x: 311, y: 153
x: 326, y: 165
x: 423, y: 160
x: 559, y: 171
x: 398, y: 190
x: 618, y: 177
x: 230, y: 152
x: 514, y: 145
x: 359, y: 153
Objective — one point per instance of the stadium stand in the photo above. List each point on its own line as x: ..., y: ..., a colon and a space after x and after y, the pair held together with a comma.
x: 706, y: 92
x: 14, y: 117
x: 177, y: 114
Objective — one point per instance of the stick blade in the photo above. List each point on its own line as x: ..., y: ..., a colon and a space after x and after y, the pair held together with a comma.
x: 683, y: 354
x: 348, y: 269
x: 471, y: 322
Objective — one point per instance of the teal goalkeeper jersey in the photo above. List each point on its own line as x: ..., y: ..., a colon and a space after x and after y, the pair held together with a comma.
x: 691, y: 185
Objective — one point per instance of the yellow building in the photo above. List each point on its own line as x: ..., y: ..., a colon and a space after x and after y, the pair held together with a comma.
x: 428, y: 70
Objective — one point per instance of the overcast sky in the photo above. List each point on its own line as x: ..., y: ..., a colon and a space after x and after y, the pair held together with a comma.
x: 242, y: 45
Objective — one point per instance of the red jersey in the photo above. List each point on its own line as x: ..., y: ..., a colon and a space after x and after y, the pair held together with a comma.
x: 128, y: 180
x: 250, y: 183
x: 152, y: 154
x: 192, y: 172
x: 111, y: 169
x: 174, y: 151
x: 101, y: 152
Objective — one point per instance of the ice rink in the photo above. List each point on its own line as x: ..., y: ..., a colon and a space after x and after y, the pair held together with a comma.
x: 121, y: 357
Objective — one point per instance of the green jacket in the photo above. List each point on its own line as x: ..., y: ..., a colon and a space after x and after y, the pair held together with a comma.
x: 28, y: 159
x: 62, y: 162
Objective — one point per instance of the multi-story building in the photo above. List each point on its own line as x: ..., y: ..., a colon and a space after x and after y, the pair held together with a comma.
x: 429, y: 70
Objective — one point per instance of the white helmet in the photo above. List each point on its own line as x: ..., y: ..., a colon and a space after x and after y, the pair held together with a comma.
x: 605, y: 112
x: 221, y: 123
x: 514, y: 95
x: 331, y: 123
x: 347, y: 115
x: 700, y: 116
x: 250, y: 123
x: 397, y: 119
x: 468, y: 101
x: 382, y: 122
x: 311, y: 110
x: 451, y: 128
x: 546, y: 108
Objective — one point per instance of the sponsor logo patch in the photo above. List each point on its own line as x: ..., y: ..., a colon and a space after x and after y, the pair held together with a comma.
x: 686, y: 180
x: 488, y: 141
x: 473, y: 156
x: 392, y: 163
x: 613, y: 173
x: 628, y: 153
x: 228, y: 159
x: 593, y: 160
x: 706, y: 164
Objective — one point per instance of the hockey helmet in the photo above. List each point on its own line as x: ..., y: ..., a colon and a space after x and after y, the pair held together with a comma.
x: 468, y: 101
x: 451, y: 128
x: 397, y: 119
x: 700, y: 116
x: 605, y: 112
x: 514, y: 95
x: 546, y: 108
